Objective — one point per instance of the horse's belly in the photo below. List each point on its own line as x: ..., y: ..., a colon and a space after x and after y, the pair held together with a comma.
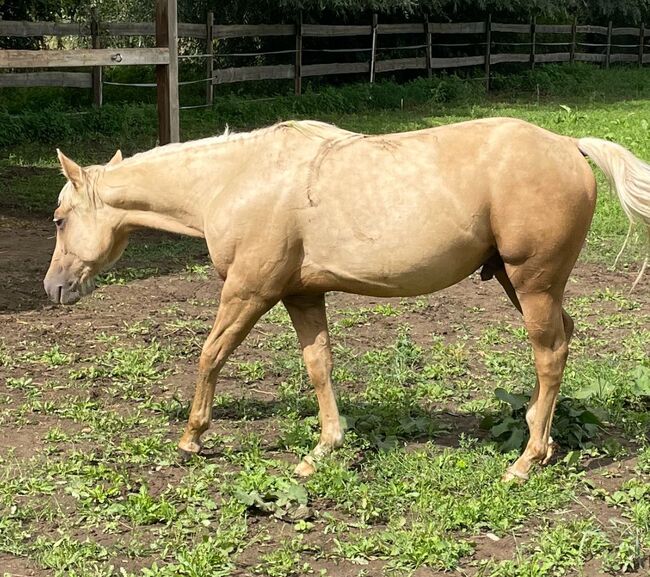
x: 400, y: 272
x: 396, y: 237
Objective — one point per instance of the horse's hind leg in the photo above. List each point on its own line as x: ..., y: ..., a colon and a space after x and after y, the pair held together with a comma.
x: 239, y: 310
x: 567, y: 321
x: 310, y: 321
x: 549, y: 329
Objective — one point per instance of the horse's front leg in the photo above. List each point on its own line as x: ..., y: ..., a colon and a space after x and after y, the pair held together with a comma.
x: 239, y: 310
x: 309, y: 319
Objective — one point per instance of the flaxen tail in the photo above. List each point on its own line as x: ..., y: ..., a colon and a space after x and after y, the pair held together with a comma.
x: 630, y: 177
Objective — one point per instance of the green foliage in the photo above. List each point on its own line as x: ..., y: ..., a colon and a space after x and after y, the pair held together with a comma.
x: 284, y: 561
x: 574, y: 425
x: 643, y: 466
x: 125, y: 275
x: 634, y: 392
x: 210, y: 556
x: 558, y: 551
x: 66, y: 555
x: 144, y: 509
x: 237, y: 12
x: 458, y: 9
x: 422, y: 544
x: 284, y: 500
x: 50, y: 124
x: 625, y: 558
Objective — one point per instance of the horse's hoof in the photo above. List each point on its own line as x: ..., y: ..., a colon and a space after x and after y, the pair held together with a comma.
x: 187, y: 450
x: 184, y: 456
x: 306, y: 467
x: 512, y: 476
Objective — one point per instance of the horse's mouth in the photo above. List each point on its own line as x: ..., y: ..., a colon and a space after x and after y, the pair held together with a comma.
x: 77, y: 290
x: 69, y: 295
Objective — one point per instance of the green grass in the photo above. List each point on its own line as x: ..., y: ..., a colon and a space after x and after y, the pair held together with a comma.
x: 90, y: 484
x: 373, y: 502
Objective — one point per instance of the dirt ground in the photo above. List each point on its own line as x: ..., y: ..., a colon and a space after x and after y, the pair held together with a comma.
x: 29, y: 323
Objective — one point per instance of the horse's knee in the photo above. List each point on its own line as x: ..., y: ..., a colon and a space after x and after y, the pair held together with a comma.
x: 213, y: 356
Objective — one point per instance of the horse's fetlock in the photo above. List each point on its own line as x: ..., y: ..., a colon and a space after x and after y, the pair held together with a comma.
x: 198, y: 424
x: 537, y: 451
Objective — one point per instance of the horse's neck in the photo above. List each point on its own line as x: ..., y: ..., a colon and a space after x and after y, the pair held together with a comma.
x: 159, y: 192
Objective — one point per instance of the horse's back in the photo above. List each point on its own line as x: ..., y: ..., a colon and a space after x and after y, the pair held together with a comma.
x: 415, y: 212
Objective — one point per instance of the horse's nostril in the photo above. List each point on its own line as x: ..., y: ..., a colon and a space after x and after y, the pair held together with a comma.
x: 60, y: 293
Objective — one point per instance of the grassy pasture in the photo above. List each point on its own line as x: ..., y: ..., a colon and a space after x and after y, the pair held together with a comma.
x: 93, y: 398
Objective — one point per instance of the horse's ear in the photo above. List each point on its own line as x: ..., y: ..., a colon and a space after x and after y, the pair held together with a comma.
x: 71, y: 170
x: 117, y: 157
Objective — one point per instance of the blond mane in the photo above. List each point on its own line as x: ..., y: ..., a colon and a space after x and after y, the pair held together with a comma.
x: 69, y: 197
x: 309, y: 128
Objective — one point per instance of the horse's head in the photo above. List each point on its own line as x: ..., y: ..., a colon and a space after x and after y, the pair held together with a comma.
x: 90, y: 235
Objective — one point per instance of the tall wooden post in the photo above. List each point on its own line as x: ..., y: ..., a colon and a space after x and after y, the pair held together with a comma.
x: 608, y: 53
x: 373, y: 52
x: 298, y: 65
x: 427, y: 39
x: 641, y: 43
x: 98, y: 96
x: 574, y: 34
x: 533, y: 33
x: 209, y: 50
x: 488, y: 50
x: 167, y: 74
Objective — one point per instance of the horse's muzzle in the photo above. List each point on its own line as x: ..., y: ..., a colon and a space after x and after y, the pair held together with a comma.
x: 66, y: 292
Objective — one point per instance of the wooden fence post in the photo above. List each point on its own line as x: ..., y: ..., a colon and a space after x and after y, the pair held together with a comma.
x: 608, y: 53
x: 533, y: 33
x: 375, y: 21
x: 298, y: 66
x: 167, y: 74
x: 641, y: 43
x: 488, y: 50
x: 98, y: 96
x: 209, y: 66
x: 574, y: 34
x: 427, y: 37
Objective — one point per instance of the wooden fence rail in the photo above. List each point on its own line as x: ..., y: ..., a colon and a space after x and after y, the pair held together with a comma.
x: 164, y: 57
x: 578, y: 42
x: 572, y: 50
x: 82, y: 57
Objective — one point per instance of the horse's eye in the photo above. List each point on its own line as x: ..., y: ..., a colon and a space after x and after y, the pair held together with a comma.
x: 59, y: 222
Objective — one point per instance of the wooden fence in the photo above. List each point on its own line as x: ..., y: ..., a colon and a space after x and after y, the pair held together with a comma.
x: 534, y: 44
x: 432, y: 35
x: 164, y: 56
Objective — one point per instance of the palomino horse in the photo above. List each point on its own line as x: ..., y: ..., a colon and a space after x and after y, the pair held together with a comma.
x: 296, y: 210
